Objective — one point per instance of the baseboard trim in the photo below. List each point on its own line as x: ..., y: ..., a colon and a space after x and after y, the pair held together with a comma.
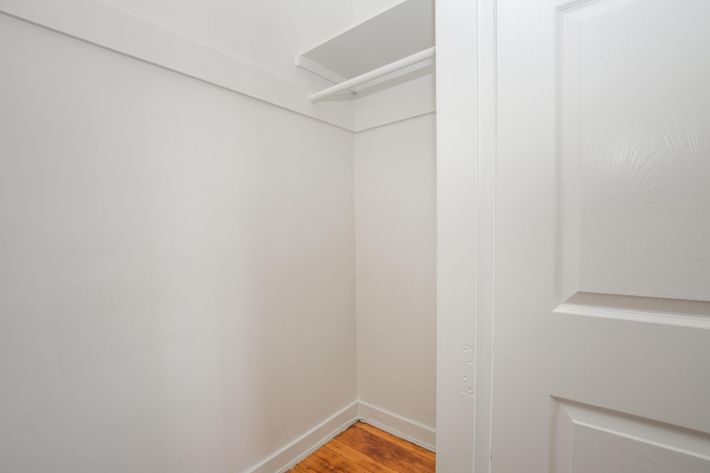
x: 397, y: 425
x: 288, y: 456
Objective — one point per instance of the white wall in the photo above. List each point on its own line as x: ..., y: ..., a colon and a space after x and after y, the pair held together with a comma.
x: 268, y: 34
x: 394, y: 101
x: 395, y: 227
x: 364, y: 9
x: 176, y: 266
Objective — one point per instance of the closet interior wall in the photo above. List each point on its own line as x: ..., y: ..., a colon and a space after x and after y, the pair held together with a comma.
x: 186, y: 270
x: 396, y: 286
x: 177, y: 266
x: 395, y: 225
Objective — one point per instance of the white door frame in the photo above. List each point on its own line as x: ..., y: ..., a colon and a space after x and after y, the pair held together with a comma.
x: 466, y: 148
x: 466, y: 180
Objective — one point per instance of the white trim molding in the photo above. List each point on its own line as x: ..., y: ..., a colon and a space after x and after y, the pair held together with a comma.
x: 466, y: 153
x: 399, y: 426
x: 288, y: 456
x: 485, y: 214
x: 110, y: 27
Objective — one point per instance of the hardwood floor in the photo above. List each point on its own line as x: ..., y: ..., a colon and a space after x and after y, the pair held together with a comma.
x: 363, y: 448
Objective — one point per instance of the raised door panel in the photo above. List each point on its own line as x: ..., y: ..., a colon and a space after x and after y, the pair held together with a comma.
x: 593, y: 440
x: 602, y: 244
x: 635, y: 148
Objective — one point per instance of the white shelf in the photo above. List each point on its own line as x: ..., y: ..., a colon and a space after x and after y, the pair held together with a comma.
x: 397, y: 33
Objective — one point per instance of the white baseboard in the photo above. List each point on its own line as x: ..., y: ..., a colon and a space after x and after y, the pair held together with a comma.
x: 287, y: 457
x: 407, y: 429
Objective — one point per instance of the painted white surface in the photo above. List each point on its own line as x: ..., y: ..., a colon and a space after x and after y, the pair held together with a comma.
x: 422, y: 58
x: 285, y: 458
x: 365, y: 9
x: 293, y: 453
x: 266, y: 34
x: 602, y: 340
x: 402, y: 427
x: 405, y: 29
x: 644, y: 169
x: 395, y: 225
x: 459, y: 225
x: 108, y: 26
x: 176, y: 268
x: 182, y: 46
x: 391, y: 103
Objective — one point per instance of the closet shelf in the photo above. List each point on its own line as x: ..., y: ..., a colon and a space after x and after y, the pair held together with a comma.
x: 393, y: 40
x: 395, y: 66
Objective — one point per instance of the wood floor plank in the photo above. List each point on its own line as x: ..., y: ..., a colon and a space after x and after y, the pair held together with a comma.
x: 385, y: 452
x: 421, y: 451
x: 326, y: 460
x: 358, y: 457
x: 363, y: 448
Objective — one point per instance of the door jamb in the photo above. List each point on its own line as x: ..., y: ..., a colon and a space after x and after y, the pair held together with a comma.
x: 466, y: 150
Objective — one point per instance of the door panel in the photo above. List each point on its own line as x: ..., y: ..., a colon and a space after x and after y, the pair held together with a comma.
x: 633, y: 79
x: 592, y: 440
x: 602, y: 299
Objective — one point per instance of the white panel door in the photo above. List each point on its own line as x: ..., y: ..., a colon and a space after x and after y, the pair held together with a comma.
x: 602, y: 243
